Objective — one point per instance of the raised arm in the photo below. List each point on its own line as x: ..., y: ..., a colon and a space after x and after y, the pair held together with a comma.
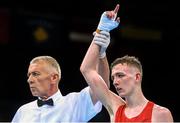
x: 103, y: 70
x: 105, y: 25
x: 91, y: 73
x: 95, y: 79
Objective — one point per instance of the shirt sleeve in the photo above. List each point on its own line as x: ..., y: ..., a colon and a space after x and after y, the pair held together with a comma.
x: 85, y: 109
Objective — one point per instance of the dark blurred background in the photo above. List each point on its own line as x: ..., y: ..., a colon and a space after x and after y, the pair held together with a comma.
x: 64, y: 31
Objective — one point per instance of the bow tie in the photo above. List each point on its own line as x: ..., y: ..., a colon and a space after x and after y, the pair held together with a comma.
x: 46, y: 102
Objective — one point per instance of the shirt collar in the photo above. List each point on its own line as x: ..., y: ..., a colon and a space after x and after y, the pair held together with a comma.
x: 55, y: 96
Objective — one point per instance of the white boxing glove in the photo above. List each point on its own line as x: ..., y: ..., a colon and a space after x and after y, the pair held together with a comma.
x: 102, y: 39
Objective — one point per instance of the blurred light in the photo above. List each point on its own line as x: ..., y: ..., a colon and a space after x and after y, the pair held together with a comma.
x: 141, y: 33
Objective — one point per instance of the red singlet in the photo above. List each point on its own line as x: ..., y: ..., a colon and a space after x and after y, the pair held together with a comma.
x: 144, y: 116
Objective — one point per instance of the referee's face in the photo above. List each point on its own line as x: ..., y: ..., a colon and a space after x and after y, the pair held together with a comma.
x: 39, y: 79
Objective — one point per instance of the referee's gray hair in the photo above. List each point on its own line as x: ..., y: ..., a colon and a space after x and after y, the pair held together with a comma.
x: 50, y: 60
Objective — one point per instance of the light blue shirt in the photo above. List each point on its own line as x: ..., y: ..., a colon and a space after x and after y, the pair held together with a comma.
x: 74, y: 107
